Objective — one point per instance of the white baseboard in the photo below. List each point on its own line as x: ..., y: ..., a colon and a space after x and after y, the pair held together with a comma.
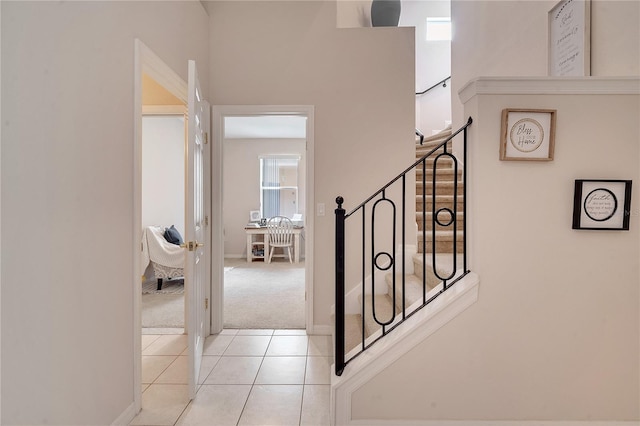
x: 322, y: 330
x: 127, y: 415
x: 235, y: 256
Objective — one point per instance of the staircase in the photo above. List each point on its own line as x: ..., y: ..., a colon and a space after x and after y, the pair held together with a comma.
x: 447, y: 179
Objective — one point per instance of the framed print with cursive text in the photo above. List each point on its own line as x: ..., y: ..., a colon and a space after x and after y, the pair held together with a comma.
x: 570, y: 38
x: 602, y: 204
x: 527, y: 134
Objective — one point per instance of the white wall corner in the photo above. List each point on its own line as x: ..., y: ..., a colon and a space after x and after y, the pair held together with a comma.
x: 127, y: 415
x: 388, y: 350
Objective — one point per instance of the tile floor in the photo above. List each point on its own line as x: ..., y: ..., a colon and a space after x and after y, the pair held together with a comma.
x: 248, y: 377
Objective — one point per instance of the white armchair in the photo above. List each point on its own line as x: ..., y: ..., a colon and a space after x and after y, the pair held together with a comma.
x: 166, y: 258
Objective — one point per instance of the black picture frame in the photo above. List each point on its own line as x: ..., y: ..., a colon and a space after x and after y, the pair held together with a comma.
x: 602, y: 204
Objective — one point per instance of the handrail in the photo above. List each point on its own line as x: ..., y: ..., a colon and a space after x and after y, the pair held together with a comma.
x: 444, y: 218
x: 443, y: 82
x: 378, y: 192
x: 420, y: 135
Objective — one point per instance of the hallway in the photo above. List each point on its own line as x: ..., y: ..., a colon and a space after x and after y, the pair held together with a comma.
x: 248, y: 377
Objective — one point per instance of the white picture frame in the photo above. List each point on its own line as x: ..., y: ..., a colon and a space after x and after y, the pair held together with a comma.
x: 254, y: 216
x: 569, y: 27
x: 527, y: 134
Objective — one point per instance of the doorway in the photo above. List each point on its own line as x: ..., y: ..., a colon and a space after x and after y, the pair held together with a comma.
x: 195, y: 262
x: 296, y: 153
x: 163, y: 215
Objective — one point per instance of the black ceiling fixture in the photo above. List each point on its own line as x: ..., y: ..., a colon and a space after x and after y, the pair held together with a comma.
x: 385, y: 13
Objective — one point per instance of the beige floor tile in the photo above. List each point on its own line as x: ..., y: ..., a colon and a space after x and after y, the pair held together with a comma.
x: 273, y: 405
x: 315, y: 405
x: 154, y: 365
x: 248, y: 346
x: 216, y: 344
x: 234, y: 370
x: 255, y: 332
x: 288, y: 346
x: 291, y: 332
x: 320, y: 346
x: 282, y: 371
x: 162, y: 405
x: 148, y: 339
x: 208, y: 363
x: 229, y: 332
x: 167, y: 345
x: 176, y: 373
x: 219, y: 405
x: 318, y: 370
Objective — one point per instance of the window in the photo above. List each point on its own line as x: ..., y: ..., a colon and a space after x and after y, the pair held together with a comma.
x: 279, y: 185
x: 438, y: 29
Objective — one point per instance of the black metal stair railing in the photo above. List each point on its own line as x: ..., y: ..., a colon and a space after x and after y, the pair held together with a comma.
x: 392, y: 197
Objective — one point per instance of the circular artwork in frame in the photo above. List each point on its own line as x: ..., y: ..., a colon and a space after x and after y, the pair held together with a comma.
x: 600, y: 204
x: 526, y: 135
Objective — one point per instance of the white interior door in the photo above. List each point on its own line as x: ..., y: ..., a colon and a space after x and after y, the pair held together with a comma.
x: 195, y: 273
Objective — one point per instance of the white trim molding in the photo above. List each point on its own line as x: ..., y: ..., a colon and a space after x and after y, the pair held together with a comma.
x: 145, y: 61
x: 127, y: 415
x: 219, y: 112
x: 164, y: 109
x: 406, y: 336
x: 550, y: 86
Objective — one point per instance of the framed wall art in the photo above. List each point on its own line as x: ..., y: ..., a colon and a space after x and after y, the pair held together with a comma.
x: 570, y: 38
x: 602, y: 204
x: 254, y: 216
x: 527, y: 134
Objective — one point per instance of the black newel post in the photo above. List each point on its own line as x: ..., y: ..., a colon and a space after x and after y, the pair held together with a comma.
x: 339, y: 333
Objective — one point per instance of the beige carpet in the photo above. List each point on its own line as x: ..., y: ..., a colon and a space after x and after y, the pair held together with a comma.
x: 256, y: 295
x: 259, y: 295
x: 162, y: 310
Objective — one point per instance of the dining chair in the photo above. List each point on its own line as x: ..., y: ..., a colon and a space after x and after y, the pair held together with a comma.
x: 280, y: 232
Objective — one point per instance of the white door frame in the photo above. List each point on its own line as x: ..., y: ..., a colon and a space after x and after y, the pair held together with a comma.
x: 219, y: 112
x: 145, y: 61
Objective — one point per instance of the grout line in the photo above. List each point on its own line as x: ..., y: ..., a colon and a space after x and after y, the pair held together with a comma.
x: 254, y: 380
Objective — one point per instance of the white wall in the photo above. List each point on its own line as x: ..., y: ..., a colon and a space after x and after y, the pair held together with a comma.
x: 555, y: 332
x: 67, y: 199
x: 432, y: 58
x: 433, y: 63
x: 361, y: 83
x: 509, y: 38
x: 163, y: 171
x: 242, y: 184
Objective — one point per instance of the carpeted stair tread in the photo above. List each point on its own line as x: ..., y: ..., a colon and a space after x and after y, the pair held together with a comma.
x: 384, y: 311
x: 440, y: 236
x: 444, y: 264
x: 428, y: 215
x: 413, y: 290
x: 447, y: 173
x: 442, y: 187
x: 352, y: 331
x: 435, y: 139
